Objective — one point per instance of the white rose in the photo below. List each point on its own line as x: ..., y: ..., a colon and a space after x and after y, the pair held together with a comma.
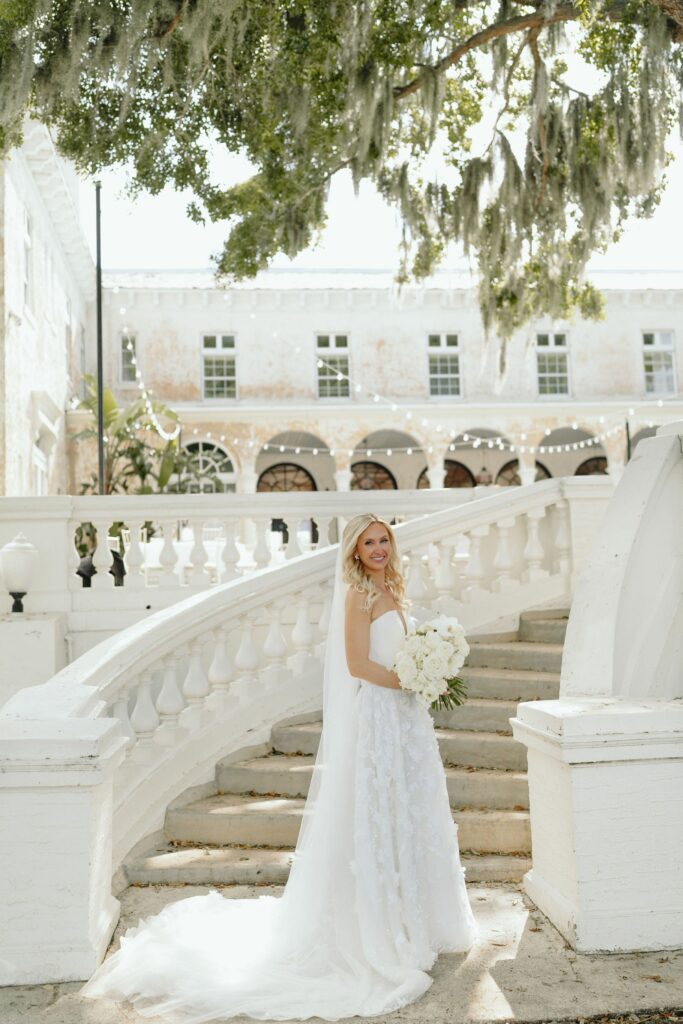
x: 435, y: 664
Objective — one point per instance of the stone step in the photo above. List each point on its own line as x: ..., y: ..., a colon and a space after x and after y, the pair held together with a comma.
x: 281, y: 774
x: 545, y: 631
x: 516, y: 654
x: 511, y: 684
x: 289, y: 775
x: 458, y: 746
x: 233, y: 865
x: 296, y: 739
x: 481, y: 750
x: 230, y: 819
x: 478, y: 715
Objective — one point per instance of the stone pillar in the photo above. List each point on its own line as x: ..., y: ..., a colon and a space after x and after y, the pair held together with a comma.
x: 247, y: 477
x: 436, y: 471
x: 605, y: 776
x: 56, y: 784
x: 527, y: 467
x: 615, y: 450
x: 342, y: 471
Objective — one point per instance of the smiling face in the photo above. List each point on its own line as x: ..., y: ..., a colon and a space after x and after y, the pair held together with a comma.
x: 374, y: 548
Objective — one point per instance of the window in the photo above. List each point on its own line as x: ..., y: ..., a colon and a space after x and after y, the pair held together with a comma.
x: 128, y: 358
x: 332, y: 351
x: 551, y: 364
x: 658, y: 362
x: 219, y: 366
x: 370, y: 476
x: 28, y: 260
x: 444, y: 364
x: 212, y: 467
x: 285, y: 476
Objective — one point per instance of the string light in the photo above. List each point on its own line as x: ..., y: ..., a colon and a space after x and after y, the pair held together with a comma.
x: 502, y: 442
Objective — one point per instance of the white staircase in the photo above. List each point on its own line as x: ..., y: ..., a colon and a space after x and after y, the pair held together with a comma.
x: 246, y: 830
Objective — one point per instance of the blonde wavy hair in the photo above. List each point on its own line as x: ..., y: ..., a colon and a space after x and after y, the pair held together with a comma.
x: 353, y: 571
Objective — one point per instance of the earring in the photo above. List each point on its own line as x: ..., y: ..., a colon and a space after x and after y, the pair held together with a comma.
x: 356, y: 557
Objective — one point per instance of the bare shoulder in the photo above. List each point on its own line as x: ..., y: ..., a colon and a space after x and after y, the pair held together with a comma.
x: 355, y: 603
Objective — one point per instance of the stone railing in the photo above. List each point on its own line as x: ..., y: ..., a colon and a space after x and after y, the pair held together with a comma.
x: 117, y: 734
x: 606, y: 759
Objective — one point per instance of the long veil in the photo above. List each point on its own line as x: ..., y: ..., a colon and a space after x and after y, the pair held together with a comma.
x: 304, y: 954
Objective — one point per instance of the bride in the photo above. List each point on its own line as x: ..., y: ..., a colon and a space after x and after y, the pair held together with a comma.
x: 376, y: 889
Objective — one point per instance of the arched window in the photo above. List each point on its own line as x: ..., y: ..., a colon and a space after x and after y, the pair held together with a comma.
x: 509, y: 476
x: 455, y: 475
x: 215, y: 473
x: 370, y: 476
x: 597, y: 466
x: 285, y: 476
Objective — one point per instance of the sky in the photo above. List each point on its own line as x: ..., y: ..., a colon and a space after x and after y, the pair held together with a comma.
x: 153, y: 232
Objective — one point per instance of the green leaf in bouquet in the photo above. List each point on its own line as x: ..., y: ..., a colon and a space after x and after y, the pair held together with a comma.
x: 455, y: 696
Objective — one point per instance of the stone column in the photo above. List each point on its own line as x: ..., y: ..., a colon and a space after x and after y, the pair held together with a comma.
x: 342, y: 471
x: 527, y: 467
x: 615, y: 450
x: 605, y: 775
x: 247, y: 477
x: 436, y: 471
x: 56, y: 785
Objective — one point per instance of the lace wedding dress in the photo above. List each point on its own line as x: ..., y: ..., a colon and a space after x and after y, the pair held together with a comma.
x: 376, y: 889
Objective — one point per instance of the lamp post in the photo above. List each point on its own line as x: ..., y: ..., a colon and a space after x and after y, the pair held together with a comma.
x: 17, y: 566
x: 100, y: 372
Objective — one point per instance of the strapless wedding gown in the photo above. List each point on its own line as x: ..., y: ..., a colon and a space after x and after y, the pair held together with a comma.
x: 208, y: 958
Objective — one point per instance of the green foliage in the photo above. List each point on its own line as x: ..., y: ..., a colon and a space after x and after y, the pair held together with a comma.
x: 393, y: 90
x: 136, y: 461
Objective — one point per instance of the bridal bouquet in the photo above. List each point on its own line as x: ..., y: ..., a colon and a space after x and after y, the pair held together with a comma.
x: 429, y: 660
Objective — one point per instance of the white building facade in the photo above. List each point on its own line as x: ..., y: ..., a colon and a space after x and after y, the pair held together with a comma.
x: 336, y: 380
x: 46, y: 287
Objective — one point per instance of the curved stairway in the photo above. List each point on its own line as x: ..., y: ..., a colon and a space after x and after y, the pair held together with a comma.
x: 244, y: 833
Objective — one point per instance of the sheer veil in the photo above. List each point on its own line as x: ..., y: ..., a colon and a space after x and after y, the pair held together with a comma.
x: 307, y: 953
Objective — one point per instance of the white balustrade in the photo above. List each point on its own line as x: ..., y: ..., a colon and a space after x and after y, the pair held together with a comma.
x: 261, y: 671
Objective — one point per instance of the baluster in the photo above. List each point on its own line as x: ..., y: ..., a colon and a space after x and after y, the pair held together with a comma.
x: 262, y: 552
x: 444, y: 577
x: 195, y: 686
x: 231, y: 555
x: 323, y: 525
x: 562, y: 538
x: 198, y: 575
x: 475, y: 573
x: 120, y: 711
x: 246, y: 661
x: 170, y: 700
x: 503, y: 562
x: 134, y: 559
x: 416, y: 589
x: 302, y: 635
x: 168, y: 555
x: 275, y: 648
x: 221, y: 674
x: 533, y: 552
x: 325, y: 611
x: 102, y: 557
x: 293, y: 546
x: 144, y: 718
x: 73, y: 562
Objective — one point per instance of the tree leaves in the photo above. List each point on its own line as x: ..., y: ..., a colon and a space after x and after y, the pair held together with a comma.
x: 395, y: 91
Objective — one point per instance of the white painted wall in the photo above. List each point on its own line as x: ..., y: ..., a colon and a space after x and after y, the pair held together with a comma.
x: 40, y: 338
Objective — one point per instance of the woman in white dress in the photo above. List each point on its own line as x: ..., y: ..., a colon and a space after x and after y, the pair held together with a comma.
x: 376, y: 890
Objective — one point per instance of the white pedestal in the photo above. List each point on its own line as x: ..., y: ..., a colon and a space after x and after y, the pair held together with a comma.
x: 32, y: 650
x: 605, y: 785
x: 58, y: 913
